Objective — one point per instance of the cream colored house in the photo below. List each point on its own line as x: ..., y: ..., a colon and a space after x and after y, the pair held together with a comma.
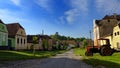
x: 96, y: 31
x: 16, y: 36
x: 116, y: 38
x: 108, y: 28
x: 44, y: 42
x: 37, y: 46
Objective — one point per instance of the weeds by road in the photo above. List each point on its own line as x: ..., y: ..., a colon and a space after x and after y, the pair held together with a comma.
x: 102, y: 61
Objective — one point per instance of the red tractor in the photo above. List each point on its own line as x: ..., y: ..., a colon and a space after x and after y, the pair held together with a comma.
x: 103, y: 47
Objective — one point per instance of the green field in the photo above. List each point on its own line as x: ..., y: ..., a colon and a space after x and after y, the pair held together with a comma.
x: 23, y: 55
x: 97, y: 60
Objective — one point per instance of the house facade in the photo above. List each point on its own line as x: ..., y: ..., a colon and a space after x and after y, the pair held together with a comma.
x: 116, y: 37
x: 107, y: 28
x: 37, y: 46
x: 96, y: 31
x: 3, y: 36
x: 17, y: 38
x: 44, y: 42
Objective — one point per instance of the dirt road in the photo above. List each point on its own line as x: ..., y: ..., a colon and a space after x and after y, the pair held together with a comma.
x: 65, y: 60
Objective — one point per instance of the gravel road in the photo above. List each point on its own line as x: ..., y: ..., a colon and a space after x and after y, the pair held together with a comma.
x: 65, y: 60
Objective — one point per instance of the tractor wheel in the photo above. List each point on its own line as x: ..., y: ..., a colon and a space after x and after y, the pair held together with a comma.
x: 106, y: 51
x: 88, y: 53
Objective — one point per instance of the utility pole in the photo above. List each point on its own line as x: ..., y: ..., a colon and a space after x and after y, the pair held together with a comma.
x: 90, y: 38
x: 42, y: 32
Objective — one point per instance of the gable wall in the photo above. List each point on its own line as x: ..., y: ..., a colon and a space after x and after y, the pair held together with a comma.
x: 116, y: 38
x: 20, y: 40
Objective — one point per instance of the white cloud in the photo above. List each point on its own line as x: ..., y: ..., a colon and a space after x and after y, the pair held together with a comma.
x: 61, y: 19
x: 9, y: 17
x: 45, y: 4
x: 16, y: 2
x: 78, y: 8
x: 71, y: 15
x: 79, y: 4
x: 111, y: 6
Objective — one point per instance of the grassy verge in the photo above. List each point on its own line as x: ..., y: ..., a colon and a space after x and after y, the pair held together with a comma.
x: 23, y: 55
x: 97, y: 60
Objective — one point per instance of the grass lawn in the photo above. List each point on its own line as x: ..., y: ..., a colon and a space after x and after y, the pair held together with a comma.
x: 23, y: 55
x: 97, y: 60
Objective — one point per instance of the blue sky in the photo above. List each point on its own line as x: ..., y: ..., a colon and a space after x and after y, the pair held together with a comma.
x: 68, y: 17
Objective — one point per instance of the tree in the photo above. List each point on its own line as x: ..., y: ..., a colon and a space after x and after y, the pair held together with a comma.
x: 34, y: 39
x: 84, y: 43
x: 45, y: 44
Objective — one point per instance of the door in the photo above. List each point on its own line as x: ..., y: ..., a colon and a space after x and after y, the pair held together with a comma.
x: 9, y: 44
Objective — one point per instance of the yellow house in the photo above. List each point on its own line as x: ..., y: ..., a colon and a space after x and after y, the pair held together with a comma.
x: 108, y: 28
x: 116, y: 38
x: 104, y: 28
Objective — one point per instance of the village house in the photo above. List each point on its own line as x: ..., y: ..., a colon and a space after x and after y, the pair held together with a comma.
x: 116, y: 37
x: 3, y: 36
x: 37, y: 46
x: 108, y: 27
x: 17, y: 38
x: 44, y: 42
x: 71, y: 43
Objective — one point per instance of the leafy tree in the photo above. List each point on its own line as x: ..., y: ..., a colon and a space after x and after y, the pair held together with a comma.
x: 59, y: 38
x: 84, y: 43
x: 45, y: 44
x: 34, y: 39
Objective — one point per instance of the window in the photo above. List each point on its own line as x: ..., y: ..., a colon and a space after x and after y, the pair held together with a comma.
x: 21, y: 41
x: 3, y: 37
x: 117, y: 33
x: 118, y: 45
x: 0, y: 38
x: 21, y: 32
x: 18, y: 40
x: 108, y: 20
x: 24, y: 41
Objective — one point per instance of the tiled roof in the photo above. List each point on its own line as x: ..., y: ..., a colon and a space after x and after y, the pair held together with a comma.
x: 115, y: 16
x: 29, y: 37
x: 107, y: 24
x: 97, y: 22
x: 1, y: 21
x: 13, y: 28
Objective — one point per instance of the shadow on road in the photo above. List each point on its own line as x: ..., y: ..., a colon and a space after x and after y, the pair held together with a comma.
x: 106, y: 64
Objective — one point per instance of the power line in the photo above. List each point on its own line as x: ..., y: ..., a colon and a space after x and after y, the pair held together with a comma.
x: 115, y: 7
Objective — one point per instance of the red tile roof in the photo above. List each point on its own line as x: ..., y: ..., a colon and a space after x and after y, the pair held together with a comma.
x: 107, y: 24
x: 13, y: 28
x: 114, y: 16
x: 29, y: 37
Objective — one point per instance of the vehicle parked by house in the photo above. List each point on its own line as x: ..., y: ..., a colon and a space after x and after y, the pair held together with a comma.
x: 108, y: 31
